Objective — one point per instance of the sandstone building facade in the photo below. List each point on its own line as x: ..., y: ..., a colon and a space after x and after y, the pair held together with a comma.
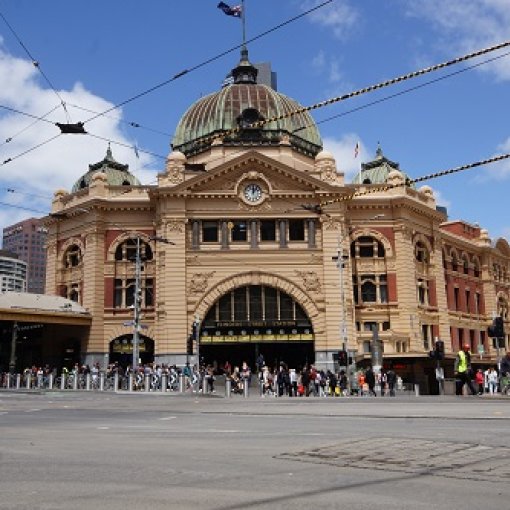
x: 271, y: 252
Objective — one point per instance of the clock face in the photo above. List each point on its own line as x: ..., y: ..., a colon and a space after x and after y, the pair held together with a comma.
x: 253, y: 192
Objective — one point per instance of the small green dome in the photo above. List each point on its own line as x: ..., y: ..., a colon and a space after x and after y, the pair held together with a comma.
x: 237, y: 106
x: 378, y: 170
x: 117, y: 174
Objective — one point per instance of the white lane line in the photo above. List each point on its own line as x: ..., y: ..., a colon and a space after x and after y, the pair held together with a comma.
x: 168, y: 418
x: 31, y: 410
x: 103, y: 428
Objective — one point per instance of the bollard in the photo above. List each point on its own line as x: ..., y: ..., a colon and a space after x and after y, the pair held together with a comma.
x: 8, y: 380
x: 228, y: 387
x: 101, y: 381
x: 246, y: 388
x: 50, y: 381
x: 130, y: 382
x: 147, y: 382
x: 75, y: 381
x: 87, y: 382
x: 28, y: 380
x: 182, y: 383
x: 18, y: 381
x: 63, y: 381
x: 205, y: 385
x: 115, y: 381
x: 416, y: 390
x: 164, y: 382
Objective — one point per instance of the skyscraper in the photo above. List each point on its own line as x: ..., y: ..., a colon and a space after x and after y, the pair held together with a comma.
x: 28, y: 240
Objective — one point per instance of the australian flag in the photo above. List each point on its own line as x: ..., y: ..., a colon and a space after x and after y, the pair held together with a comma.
x: 235, y: 11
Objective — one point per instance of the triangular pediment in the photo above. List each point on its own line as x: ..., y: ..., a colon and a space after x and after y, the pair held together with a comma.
x: 252, y: 167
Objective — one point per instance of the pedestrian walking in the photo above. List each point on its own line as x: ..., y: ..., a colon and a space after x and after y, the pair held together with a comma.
x: 463, y: 372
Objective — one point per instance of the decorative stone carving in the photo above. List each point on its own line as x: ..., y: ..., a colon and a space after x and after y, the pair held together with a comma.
x: 331, y: 223
x: 311, y: 281
x: 199, y: 282
x: 176, y: 226
x: 175, y: 167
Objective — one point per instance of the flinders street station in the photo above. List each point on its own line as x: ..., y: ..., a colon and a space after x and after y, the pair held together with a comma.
x: 253, y: 242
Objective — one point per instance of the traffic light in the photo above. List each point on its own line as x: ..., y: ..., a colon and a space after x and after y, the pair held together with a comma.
x: 189, y: 345
x: 342, y: 358
x: 439, y: 350
x: 496, y: 330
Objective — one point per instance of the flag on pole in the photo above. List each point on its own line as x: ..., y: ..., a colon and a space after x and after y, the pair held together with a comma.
x: 136, y: 152
x: 356, y: 150
x: 235, y: 11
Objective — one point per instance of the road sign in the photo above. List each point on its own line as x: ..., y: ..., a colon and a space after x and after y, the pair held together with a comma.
x: 129, y: 323
x: 481, y: 349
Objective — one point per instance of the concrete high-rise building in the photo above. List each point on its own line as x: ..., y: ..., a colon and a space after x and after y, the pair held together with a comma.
x: 13, y: 272
x: 27, y: 239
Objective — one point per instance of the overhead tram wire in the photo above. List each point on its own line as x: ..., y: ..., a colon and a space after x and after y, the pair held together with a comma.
x: 359, y: 92
x: 37, y: 120
x: 406, y: 91
x: 127, y: 122
x: 383, y: 99
x: 9, y: 160
x: 6, y: 204
x: 37, y: 65
x: 15, y: 191
x: 408, y: 182
x: 122, y: 144
x: 208, y: 61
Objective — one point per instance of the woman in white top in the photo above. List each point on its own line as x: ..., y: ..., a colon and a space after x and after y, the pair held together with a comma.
x: 493, y: 381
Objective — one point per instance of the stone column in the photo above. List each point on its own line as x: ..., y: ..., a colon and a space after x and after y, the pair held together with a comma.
x: 254, y: 241
x: 311, y: 233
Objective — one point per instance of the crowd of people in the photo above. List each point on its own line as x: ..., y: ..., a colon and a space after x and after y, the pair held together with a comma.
x: 280, y: 380
x: 478, y: 382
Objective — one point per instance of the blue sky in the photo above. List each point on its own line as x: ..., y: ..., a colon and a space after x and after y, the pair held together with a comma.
x: 97, y: 54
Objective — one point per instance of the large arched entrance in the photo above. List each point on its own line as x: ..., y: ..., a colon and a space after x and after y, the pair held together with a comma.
x: 121, y: 350
x: 256, y: 319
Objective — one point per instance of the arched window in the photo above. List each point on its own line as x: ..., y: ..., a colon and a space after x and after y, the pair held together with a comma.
x: 370, y: 288
x: 367, y: 247
x: 476, y: 268
x: 421, y: 253
x: 503, y: 308
x: 126, y: 251
x: 455, y: 263
x: 465, y: 264
x: 72, y: 256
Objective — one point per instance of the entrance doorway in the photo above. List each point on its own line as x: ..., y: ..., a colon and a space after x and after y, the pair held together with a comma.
x: 257, y: 319
x: 293, y: 354
x: 121, y: 350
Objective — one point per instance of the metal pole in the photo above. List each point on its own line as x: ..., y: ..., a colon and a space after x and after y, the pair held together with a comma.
x: 197, y: 339
x: 137, y: 303
x: 343, y: 325
x: 14, y: 338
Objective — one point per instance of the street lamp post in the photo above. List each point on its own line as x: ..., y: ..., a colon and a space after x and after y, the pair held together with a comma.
x: 14, y: 338
x: 340, y: 264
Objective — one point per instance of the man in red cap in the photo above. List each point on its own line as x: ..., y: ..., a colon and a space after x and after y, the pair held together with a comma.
x: 462, y: 370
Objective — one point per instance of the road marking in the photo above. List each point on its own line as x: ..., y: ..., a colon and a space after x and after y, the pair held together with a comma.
x: 168, y: 418
x: 31, y: 410
x: 103, y: 428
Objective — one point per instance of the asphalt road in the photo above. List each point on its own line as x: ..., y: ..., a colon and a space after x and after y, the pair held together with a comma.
x: 121, y: 451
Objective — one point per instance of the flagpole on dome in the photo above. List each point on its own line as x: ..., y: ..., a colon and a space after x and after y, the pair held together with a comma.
x: 243, y: 19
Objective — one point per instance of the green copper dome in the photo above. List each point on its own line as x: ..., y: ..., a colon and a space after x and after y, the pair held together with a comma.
x: 117, y: 174
x: 239, y: 105
x: 377, y: 171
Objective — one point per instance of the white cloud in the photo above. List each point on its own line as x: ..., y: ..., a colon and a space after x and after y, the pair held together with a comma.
x: 464, y: 26
x: 343, y: 150
x: 442, y: 200
x: 338, y: 16
x: 61, y: 162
